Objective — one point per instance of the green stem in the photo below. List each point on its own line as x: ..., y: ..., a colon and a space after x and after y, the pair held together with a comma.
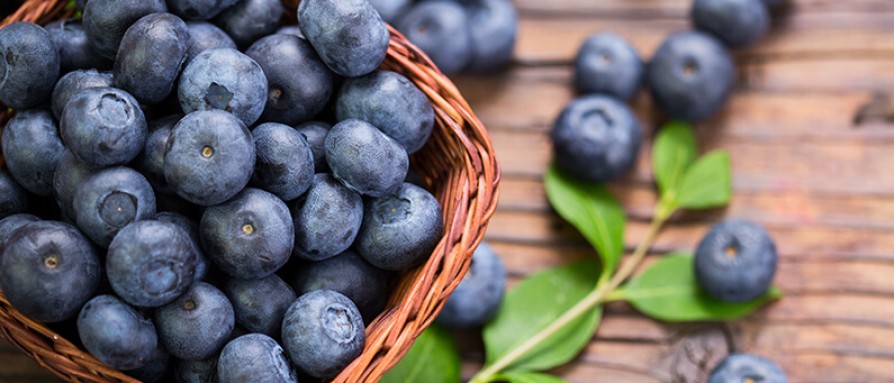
x: 594, y: 298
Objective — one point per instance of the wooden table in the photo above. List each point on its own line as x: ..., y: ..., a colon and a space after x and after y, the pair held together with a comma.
x: 811, y: 136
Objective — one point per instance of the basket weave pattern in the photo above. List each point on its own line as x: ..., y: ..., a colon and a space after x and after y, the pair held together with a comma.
x: 457, y: 164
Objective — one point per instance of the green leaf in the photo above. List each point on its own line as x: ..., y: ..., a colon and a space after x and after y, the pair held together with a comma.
x: 593, y: 210
x: 533, y: 305
x: 668, y: 291
x: 528, y: 377
x: 672, y: 153
x: 432, y: 359
x: 708, y: 182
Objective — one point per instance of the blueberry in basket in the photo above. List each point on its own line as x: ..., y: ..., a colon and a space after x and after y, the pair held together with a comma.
x: 327, y: 219
x: 285, y: 163
x: 103, y: 126
x: 441, y: 29
x: 328, y: 25
x: 364, y: 159
x: 196, y: 325
x: 270, y: 361
x: 224, y: 79
x: 32, y: 148
x: 116, y: 333
x: 73, y: 83
x: 150, y: 57
x: 30, y: 65
x: 108, y: 200
x: 260, y: 304
x: 349, y: 274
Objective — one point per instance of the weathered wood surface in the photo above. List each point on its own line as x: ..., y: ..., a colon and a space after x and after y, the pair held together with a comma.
x: 811, y: 132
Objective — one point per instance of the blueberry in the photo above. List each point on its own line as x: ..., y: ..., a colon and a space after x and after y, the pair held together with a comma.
x: 109, y: 200
x: 150, y: 57
x: 736, y: 261
x: 364, y: 159
x: 224, y: 79
x: 494, y: 26
x: 103, y: 126
x: 400, y: 231
x: 293, y: 30
x: 738, y: 368
x: 315, y: 133
x: 196, y: 371
x: 391, y: 10
x: 260, y: 304
x: 390, y: 102
x: 285, y: 164
x: 209, y: 158
x: 116, y: 333
x: 349, y: 274
x: 106, y: 21
x: 31, y: 149
x: 327, y: 219
x: 299, y: 83
x: 328, y: 24
x: 738, y: 23
x: 691, y: 76
x: 204, y: 36
x: 69, y: 173
x: 75, y: 51
x: 155, y: 368
x: 29, y: 65
x: 606, y: 63
x: 196, y: 325
x: 73, y: 83
x: 192, y: 229
x: 48, y: 270
x: 11, y: 224
x: 441, y: 29
x: 250, y: 236
x: 479, y: 294
x: 199, y: 9
x: 13, y: 198
x: 596, y: 138
x: 268, y: 361
x: 151, y: 263
x: 322, y: 333
x: 249, y: 20
x: 151, y: 161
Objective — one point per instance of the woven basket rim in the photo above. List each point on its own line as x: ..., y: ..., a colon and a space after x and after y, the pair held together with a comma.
x: 467, y: 189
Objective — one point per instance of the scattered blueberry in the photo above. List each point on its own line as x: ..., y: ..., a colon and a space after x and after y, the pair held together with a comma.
x: 322, y: 333
x: 738, y: 23
x: 196, y: 325
x: 738, y: 368
x: 315, y: 133
x: 209, y: 158
x: 328, y: 24
x: 75, y: 51
x: 260, y: 304
x: 364, y: 159
x: 204, y: 36
x: 155, y: 368
x: 110, y: 199
x: 29, y: 62
x: 151, y: 263
x: 285, y: 164
x: 13, y: 198
x: 441, y: 29
x: 103, y: 126
x: 327, y: 219
x: 299, y: 84
x: 106, y: 21
x: 224, y: 79
x: 192, y: 229
x: 391, y: 10
x: 150, y: 57
x: 349, y: 274
x: 73, y: 83
x: 250, y: 236
x: 390, y: 102
x: 199, y: 9
x: 606, y: 63
x: 269, y: 363
x: 151, y: 161
x: 493, y: 25
x: 31, y: 148
x: 400, y: 231
x: 479, y: 294
x: 691, y: 76
x: 116, y: 333
x: 249, y: 20
x: 596, y: 138
x: 48, y: 270
x: 736, y: 261
x: 69, y: 173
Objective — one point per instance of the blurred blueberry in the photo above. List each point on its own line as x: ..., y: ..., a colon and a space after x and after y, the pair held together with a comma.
x: 224, y: 79
x: 196, y: 325
x: 151, y: 263
x: 349, y: 274
x: 249, y: 20
x: 106, y: 21
x: 151, y: 55
x: 736, y: 261
x: 70, y: 171
x: 739, y: 368
x: 738, y: 23
x: 192, y: 229
x: 479, y: 294
x: 199, y: 9
x: 30, y: 64
x: 73, y: 83
x: 390, y: 102
x: 269, y: 363
x: 31, y: 149
x: 364, y: 159
x: 204, y: 36
x: 48, y: 270
x: 315, y: 133
x: 596, y: 138
x: 75, y: 51
x: 13, y: 198
x: 103, y: 126
x: 327, y: 219
x: 391, y: 10
x: 115, y: 333
x: 285, y: 164
x: 151, y: 161
x: 299, y: 83
x: 328, y: 24
x: 322, y: 333
x: 260, y: 304
x: 110, y: 199
x: 155, y: 369
x: 606, y: 63
x: 494, y: 26
x: 441, y: 29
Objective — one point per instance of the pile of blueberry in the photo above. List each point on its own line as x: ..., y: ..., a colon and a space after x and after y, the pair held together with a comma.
x: 477, y: 36
x: 173, y: 189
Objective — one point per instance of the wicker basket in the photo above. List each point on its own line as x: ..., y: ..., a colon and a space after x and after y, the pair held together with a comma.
x: 457, y: 164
